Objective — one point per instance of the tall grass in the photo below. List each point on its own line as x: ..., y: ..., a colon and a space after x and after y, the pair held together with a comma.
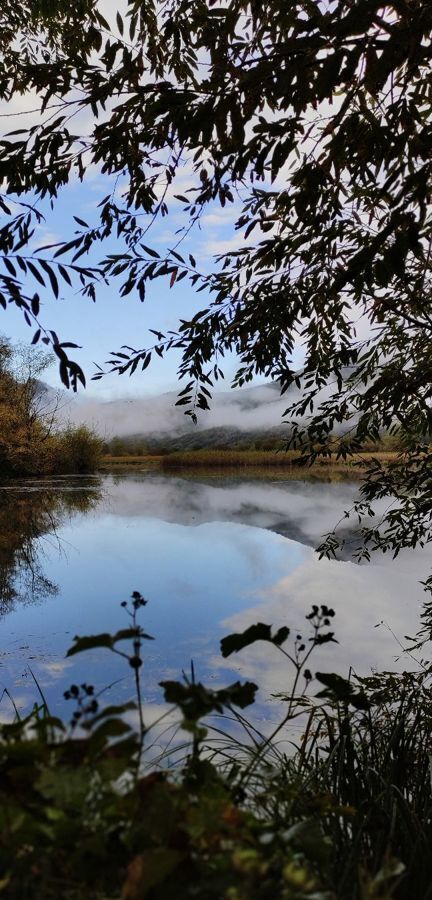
x: 142, y: 460
x: 227, y: 458
x: 346, y: 815
x: 260, y: 458
x: 362, y: 769
x: 369, y: 773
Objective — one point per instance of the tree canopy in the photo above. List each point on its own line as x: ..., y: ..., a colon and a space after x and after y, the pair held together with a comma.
x: 314, y: 118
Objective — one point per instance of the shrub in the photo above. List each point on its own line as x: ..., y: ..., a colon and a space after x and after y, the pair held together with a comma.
x: 345, y: 816
x: 76, y: 450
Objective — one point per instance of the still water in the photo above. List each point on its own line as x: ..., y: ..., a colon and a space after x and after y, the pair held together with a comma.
x: 211, y: 555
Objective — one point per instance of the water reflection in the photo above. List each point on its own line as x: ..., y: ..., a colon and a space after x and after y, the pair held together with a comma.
x: 211, y: 555
x: 300, y: 510
x: 30, y: 512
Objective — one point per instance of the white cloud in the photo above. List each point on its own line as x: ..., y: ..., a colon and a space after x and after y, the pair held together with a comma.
x: 43, y: 237
x: 215, y: 246
x: 368, y: 622
x: 220, y: 218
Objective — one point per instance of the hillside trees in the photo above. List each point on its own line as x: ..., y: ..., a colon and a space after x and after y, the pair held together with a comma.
x: 26, y: 417
x: 313, y: 121
x: 34, y: 439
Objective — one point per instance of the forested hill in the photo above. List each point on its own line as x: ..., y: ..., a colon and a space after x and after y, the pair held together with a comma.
x: 233, y: 413
x: 218, y: 438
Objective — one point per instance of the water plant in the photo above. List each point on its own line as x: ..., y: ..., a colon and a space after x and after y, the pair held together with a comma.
x: 345, y: 815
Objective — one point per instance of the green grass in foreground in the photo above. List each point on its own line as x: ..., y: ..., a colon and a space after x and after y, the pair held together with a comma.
x: 222, y: 813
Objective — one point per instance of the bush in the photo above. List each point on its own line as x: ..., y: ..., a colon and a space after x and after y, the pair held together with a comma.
x: 76, y: 450
x: 345, y: 816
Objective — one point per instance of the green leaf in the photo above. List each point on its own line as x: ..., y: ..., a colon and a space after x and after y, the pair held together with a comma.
x: 308, y: 837
x: 148, y: 870
x: 65, y: 786
x: 130, y: 634
x: 150, y: 251
x: 90, y: 643
x: 36, y: 274
x: 196, y: 701
x: 111, y: 728
x: 338, y: 688
x: 52, y: 277
x: 259, y: 632
x: 113, y: 710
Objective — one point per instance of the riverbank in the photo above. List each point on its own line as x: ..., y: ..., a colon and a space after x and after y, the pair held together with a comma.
x: 258, y: 460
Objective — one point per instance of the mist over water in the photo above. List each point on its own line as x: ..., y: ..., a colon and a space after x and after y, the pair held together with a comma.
x: 211, y: 555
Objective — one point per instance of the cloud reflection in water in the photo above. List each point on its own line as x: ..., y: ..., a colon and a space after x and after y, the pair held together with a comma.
x: 212, y: 556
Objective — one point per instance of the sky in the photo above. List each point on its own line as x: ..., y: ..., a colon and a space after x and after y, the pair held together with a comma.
x: 253, y: 408
x: 103, y: 327
x: 114, y: 321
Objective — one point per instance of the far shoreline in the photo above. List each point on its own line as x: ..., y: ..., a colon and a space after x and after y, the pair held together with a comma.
x: 278, y: 463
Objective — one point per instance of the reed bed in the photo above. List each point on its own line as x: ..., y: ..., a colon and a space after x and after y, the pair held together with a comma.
x: 263, y: 458
x: 230, y: 458
x: 145, y: 461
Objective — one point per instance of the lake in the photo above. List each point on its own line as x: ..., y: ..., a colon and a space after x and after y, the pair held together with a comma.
x: 211, y: 555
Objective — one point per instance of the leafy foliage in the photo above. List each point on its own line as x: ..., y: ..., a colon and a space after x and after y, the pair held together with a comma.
x: 346, y: 815
x: 196, y: 701
x: 314, y: 121
x: 75, y: 449
x: 260, y: 632
x: 31, y: 440
x: 341, y: 689
x: 25, y: 417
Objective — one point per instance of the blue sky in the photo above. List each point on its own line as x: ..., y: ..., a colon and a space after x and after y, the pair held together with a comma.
x: 113, y: 320
x: 104, y: 326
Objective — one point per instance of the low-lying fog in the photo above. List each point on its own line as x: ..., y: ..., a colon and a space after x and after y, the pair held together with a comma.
x: 248, y: 409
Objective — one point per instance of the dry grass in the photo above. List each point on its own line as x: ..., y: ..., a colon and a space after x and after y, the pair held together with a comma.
x: 263, y: 458
x: 146, y: 462
x: 258, y: 463
x: 229, y: 458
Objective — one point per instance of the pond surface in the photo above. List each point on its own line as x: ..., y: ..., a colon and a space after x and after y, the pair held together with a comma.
x: 211, y: 555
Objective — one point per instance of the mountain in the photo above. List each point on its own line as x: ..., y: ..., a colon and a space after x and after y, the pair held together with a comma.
x: 234, y: 416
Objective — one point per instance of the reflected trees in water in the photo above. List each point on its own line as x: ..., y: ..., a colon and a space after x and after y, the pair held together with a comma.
x: 29, y: 515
